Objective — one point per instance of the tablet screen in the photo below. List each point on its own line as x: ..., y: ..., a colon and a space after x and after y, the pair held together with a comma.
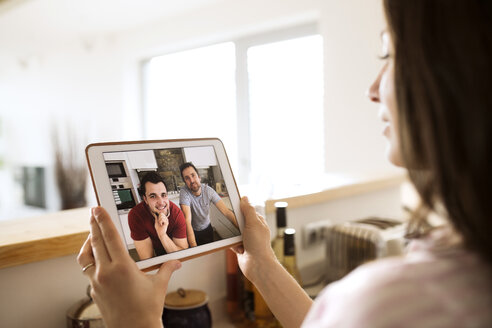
x: 169, y: 199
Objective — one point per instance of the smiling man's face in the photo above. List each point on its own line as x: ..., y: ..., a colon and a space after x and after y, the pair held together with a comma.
x: 156, y: 198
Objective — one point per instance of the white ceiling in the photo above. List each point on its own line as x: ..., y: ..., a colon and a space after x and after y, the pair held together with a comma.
x: 62, y: 18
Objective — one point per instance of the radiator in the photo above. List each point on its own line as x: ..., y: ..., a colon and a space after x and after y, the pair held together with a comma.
x: 353, y: 243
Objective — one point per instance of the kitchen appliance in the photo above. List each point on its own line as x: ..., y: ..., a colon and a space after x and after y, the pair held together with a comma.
x: 121, y: 183
x: 351, y: 244
x: 116, y: 169
x: 124, y: 199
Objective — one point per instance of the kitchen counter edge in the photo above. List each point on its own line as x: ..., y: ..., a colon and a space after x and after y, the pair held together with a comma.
x: 62, y: 233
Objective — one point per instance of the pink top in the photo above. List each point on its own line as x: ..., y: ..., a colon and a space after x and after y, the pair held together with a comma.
x: 437, y: 284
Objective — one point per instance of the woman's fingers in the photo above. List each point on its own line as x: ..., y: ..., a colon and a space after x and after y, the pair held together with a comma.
x: 238, y: 249
x: 247, y: 209
x: 165, y: 272
x: 99, y: 249
x: 112, y: 240
x: 250, y: 215
x: 85, y: 256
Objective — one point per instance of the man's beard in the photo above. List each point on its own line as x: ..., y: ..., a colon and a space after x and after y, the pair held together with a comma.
x: 166, y: 211
x: 195, y: 187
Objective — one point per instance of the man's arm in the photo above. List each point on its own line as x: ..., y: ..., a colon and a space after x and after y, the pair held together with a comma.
x: 189, y: 228
x: 170, y: 245
x: 144, y: 248
x: 181, y: 242
x: 221, y: 206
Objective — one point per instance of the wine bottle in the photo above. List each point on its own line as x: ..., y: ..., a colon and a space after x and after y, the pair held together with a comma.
x: 234, y: 288
x: 289, y: 261
x: 248, y: 300
x: 278, y: 241
x: 263, y: 316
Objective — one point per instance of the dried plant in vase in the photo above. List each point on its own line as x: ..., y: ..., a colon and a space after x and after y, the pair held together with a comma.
x: 70, y: 171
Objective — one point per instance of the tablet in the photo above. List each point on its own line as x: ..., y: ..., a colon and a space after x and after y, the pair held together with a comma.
x: 169, y: 199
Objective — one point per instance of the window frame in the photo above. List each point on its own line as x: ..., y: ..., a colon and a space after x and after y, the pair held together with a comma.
x: 243, y: 124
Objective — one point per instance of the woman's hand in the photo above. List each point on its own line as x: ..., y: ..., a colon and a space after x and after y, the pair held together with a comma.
x: 125, y: 296
x: 285, y: 298
x: 256, y: 252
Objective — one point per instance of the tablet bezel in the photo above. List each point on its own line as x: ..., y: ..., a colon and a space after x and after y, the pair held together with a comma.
x: 104, y: 193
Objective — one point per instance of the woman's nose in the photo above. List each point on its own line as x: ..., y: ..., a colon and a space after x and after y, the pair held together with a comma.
x: 373, y: 91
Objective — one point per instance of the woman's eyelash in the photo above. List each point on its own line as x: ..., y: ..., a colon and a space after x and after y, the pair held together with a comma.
x: 383, y: 57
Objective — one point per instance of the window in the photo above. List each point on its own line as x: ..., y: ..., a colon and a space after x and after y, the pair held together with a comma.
x: 262, y: 95
x: 192, y: 94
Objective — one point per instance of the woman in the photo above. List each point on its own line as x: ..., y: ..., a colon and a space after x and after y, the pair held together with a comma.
x: 435, y: 103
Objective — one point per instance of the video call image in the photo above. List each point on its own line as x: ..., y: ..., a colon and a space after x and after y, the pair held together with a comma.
x: 170, y: 199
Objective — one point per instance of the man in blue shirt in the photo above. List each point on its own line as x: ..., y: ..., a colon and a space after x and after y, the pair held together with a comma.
x: 195, y: 199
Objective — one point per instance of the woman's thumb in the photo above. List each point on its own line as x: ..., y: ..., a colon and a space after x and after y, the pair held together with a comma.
x: 167, y: 269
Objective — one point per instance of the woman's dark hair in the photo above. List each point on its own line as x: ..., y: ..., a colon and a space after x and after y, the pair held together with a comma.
x: 443, y: 80
x: 152, y: 177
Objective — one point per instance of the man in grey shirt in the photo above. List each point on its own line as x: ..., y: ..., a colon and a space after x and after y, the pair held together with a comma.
x: 195, y: 199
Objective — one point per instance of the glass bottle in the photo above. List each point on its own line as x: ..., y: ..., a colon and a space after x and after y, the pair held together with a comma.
x: 278, y: 241
x: 234, y: 288
x: 264, y: 318
x: 289, y: 261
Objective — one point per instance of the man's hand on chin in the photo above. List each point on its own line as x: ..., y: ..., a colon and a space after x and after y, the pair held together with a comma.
x: 161, y: 223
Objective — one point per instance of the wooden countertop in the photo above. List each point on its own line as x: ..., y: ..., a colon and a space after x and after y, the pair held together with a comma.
x: 63, y: 233
x: 354, y: 186
x: 43, y: 237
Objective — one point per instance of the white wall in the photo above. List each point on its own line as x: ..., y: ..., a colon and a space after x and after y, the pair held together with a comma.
x: 92, y: 82
x: 353, y: 136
